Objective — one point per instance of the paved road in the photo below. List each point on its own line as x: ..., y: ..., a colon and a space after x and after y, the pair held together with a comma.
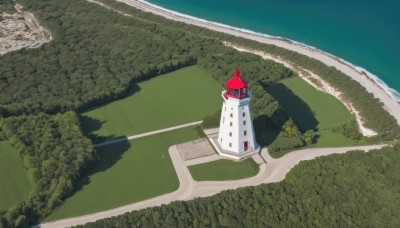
x: 148, y: 133
x: 274, y: 170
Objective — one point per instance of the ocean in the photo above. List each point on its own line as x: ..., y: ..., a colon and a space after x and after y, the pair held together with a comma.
x: 365, y: 33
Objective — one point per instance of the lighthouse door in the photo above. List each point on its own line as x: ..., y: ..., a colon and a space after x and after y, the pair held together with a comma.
x: 246, y: 145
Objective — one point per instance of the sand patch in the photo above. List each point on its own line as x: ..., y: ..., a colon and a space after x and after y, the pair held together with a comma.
x: 21, y: 30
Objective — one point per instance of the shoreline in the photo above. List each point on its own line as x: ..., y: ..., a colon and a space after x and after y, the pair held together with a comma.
x: 390, y: 91
x: 369, y: 81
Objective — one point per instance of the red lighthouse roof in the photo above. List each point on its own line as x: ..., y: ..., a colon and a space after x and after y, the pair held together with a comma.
x: 236, y: 87
x: 236, y: 82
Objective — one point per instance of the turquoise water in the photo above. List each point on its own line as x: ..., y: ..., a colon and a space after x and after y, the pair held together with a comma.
x: 363, y: 32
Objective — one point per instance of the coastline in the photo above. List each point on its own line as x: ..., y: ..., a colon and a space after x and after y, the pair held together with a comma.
x: 369, y: 81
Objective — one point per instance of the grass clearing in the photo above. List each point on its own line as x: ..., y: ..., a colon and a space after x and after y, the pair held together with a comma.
x: 224, y: 169
x: 179, y: 97
x: 313, y: 109
x: 14, y: 183
x: 128, y: 172
x: 310, y: 108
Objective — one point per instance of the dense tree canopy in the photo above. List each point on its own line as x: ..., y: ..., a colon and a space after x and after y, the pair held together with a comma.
x: 54, y: 152
x: 356, y: 189
x: 96, y: 55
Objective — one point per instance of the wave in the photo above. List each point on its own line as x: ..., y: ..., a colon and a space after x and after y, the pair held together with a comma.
x: 390, y: 91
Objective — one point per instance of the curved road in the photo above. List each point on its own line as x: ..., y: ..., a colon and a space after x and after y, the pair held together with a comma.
x: 274, y: 170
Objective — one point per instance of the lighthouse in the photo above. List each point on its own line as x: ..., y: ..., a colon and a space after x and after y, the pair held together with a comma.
x: 236, y: 138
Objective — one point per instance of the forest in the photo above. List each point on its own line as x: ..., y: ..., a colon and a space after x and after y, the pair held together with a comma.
x: 355, y: 189
x: 94, y: 59
x: 55, y: 153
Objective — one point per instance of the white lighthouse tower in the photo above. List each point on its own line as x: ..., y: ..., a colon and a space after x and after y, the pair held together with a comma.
x: 236, y: 137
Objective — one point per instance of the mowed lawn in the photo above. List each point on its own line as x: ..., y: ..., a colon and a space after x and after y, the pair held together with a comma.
x: 180, y: 97
x: 313, y: 109
x: 128, y: 172
x: 14, y: 183
x: 223, y: 169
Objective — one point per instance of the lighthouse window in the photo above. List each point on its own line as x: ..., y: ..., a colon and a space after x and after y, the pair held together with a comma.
x: 244, y: 114
x: 230, y: 134
x: 230, y: 124
x: 244, y: 122
x: 236, y: 93
x: 231, y: 115
x: 245, y: 132
x: 223, y: 120
x: 230, y: 144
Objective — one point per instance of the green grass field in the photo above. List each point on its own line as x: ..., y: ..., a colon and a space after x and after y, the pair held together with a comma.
x: 14, y: 183
x: 180, y: 97
x: 224, y: 170
x: 313, y: 109
x: 128, y: 172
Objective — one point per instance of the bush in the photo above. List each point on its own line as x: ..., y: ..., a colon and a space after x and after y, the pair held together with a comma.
x: 349, y: 130
x: 289, y: 138
x: 284, y: 144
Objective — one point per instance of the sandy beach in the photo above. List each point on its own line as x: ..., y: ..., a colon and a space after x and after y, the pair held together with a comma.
x: 362, y: 77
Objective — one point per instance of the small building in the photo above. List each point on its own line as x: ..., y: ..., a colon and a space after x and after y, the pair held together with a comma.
x: 236, y: 138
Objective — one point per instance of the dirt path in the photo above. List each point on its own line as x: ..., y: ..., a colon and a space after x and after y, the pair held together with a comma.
x: 273, y: 171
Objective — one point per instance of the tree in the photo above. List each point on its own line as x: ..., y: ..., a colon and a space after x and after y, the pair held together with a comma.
x: 290, y: 129
x: 309, y: 136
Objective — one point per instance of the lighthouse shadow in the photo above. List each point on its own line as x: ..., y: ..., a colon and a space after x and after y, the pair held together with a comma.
x: 265, y: 131
x: 293, y: 106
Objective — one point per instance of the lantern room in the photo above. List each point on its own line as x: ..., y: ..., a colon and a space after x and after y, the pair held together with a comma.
x: 236, y: 87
